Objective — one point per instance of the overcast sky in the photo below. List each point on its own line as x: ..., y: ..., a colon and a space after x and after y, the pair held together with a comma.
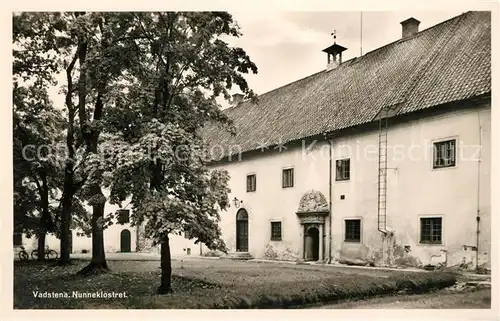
x: 288, y: 46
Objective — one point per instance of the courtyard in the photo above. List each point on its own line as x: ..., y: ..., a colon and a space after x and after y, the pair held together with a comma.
x: 212, y: 283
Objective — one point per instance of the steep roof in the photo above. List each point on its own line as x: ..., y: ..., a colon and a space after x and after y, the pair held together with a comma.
x: 448, y: 62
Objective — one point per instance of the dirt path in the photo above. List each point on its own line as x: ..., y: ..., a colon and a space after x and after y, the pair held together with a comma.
x: 479, y: 299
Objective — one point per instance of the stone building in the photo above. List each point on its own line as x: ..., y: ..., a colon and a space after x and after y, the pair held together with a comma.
x: 382, y: 159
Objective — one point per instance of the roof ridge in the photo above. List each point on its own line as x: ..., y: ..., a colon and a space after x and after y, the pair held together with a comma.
x: 358, y: 59
x: 432, y: 56
x: 418, y: 34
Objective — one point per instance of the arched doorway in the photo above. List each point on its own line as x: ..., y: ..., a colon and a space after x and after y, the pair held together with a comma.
x: 125, y: 242
x: 312, y: 244
x: 312, y: 212
x: 242, y: 231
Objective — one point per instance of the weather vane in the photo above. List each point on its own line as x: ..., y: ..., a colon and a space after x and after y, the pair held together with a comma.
x: 334, y: 34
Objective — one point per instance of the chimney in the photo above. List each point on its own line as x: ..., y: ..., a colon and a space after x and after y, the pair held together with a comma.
x: 237, y: 99
x: 410, y: 27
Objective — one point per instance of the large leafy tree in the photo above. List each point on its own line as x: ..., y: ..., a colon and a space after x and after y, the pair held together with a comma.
x: 103, y: 42
x: 36, y: 174
x: 90, y: 50
x: 43, y: 42
x: 36, y: 130
x: 168, y: 97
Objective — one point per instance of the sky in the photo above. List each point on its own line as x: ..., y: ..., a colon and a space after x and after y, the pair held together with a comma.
x: 287, y: 45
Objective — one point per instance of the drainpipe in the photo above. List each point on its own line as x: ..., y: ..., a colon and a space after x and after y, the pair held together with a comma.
x: 330, y: 170
x: 478, y: 218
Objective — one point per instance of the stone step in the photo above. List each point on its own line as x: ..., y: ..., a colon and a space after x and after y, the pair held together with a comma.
x: 237, y: 256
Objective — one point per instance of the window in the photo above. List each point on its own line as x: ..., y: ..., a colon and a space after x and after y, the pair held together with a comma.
x: 431, y: 230
x: 276, y: 231
x: 187, y: 234
x: 287, y: 177
x: 352, y: 231
x: 343, y: 169
x: 444, y: 154
x: 18, y: 239
x: 123, y: 216
x: 251, y: 183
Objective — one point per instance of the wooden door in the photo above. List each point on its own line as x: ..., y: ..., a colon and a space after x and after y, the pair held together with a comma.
x: 242, y: 236
x: 242, y: 231
x: 125, y: 241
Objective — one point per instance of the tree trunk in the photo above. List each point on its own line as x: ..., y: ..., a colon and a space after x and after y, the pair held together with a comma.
x: 166, y: 268
x: 45, y: 219
x: 41, y: 246
x: 98, y: 263
x: 66, y: 215
x: 68, y: 190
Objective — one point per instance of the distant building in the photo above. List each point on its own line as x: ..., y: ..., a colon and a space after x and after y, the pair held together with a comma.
x: 120, y: 237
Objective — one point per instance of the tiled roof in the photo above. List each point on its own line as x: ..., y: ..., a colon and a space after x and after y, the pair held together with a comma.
x: 448, y: 62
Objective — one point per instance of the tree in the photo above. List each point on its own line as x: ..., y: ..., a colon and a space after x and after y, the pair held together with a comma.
x: 91, y: 50
x: 102, y: 45
x: 183, y: 65
x: 36, y: 173
x: 36, y: 129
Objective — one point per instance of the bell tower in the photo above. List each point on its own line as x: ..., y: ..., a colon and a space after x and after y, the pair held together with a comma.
x: 334, y: 53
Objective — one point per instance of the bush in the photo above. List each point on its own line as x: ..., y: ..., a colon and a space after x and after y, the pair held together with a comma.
x: 295, y: 294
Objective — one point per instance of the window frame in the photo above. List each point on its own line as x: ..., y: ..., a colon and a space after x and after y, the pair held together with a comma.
x: 342, y: 169
x: 358, y: 241
x: 254, y: 182
x: 420, y: 227
x: 119, y: 216
x: 274, y: 238
x: 292, y: 171
x: 435, y: 148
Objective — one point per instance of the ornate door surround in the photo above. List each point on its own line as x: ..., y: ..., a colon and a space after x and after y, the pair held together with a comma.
x: 312, y: 213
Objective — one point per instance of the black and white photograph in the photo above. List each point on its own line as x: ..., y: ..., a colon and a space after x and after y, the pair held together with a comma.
x: 267, y: 159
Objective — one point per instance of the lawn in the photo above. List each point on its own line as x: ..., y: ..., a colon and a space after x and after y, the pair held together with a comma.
x: 442, y: 299
x: 212, y: 284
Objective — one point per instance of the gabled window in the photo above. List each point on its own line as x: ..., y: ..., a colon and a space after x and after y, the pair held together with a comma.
x: 123, y: 216
x: 343, y: 172
x: 276, y: 231
x: 431, y: 229
x: 352, y: 230
x: 251, y: 183
x: 444, y: 154
x: 287, y: 179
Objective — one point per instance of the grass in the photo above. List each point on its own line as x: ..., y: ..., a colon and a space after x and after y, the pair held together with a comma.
x: 442, y: 299
x: 214, y: 284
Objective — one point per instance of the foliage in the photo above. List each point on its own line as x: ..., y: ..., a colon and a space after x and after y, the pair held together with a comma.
x: 39, y: 129
x: 219, y: 284
x: 36, y: 130
x: 166, y: 100
x: 149, y: 82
